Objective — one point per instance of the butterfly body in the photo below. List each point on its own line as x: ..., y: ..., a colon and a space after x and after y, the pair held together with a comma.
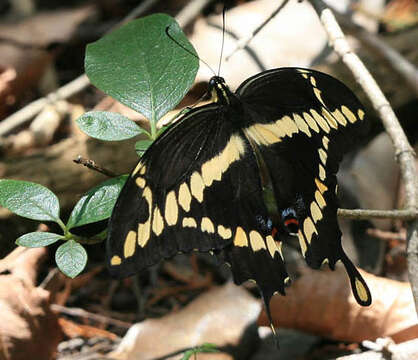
x: 201, y: 185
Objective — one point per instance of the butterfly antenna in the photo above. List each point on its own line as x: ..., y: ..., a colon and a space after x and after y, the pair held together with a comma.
x: 187, y: 50
x: 223, y: 39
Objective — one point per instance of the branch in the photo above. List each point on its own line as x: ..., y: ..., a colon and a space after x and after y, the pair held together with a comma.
x: 403, y: 151
x: 90, y: 164
x: 362, y: 214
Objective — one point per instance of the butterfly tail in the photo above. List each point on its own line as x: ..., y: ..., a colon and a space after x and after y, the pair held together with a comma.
x: 359, y: 287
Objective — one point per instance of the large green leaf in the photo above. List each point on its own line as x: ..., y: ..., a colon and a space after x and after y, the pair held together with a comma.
x: 109, y: 126
x: 142, y: 67
x: 29, y: 200
x: 97, y: 204
x: 71, y: 258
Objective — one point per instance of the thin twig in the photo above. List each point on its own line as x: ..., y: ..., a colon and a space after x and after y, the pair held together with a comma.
x: 93, y: 166
x: 242, y: 43
x: 25, y: 114
x: 86, y: 314
x: 404, y: 152
x: 362, y: 214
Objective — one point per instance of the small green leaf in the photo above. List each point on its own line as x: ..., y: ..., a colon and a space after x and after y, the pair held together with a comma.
x: 109, y: 126
x: 38, y: 239
x: 29, y: 200
x: 97, y: 204
x: 141, y: 146
x: 142, y: 67
x: 71, y: 258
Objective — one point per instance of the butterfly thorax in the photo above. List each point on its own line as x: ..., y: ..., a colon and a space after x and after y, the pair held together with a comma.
x: 220, y: 92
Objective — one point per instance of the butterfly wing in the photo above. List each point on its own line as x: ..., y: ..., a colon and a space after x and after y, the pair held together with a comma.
x: 197, y: 188
x: 303, y: 121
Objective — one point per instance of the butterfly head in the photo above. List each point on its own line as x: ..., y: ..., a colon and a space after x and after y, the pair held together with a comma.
x: 219, y: 91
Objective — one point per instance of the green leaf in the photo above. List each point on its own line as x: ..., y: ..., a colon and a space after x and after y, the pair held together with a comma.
x: 29, y: 200
x: 38, y: 239
x: 108, y: 126
x: 141, y: 146
x: 140, y: 66
x: 97, y: 204
x: 71, y: 258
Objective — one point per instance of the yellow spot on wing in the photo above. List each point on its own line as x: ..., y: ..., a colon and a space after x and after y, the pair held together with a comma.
x: 315, y: 212
x: 197, y: 186
x: 184, y: 197
x: 130, y: 244
x: 143, y: 169
x: 321, y: 172
x: 140, y: 182
x: 308, y: 229
x: 311, y: 122
x: 157, y: 222
x: 321, y: 187
x: 320, y: 120
x: 115, y: 260
x: 288, y: 125
x: 224, y: 232
x: 240, y: 238
x: 207, y: 225
x: 301, y: 124
x: 325, y: 142
x: 302, y: 243
x: 317, y: 93
x: 256, y: 240
x: 313, y: 81
x: 348, y: 114
x: 320, y: 199
x: 232, y: 152
x: 265, y: 134
x: 147, y: 194
x: 189, y: 222
x: 211, y: 171
x: 137, y: 168
x: 323, y: 156
x: 360, y: 114
x: 330, y: 119
x: 272, y: 246
x: 171, y: 209
x: 361, y: 290
x: 144, y: 231
x: 339, y: 117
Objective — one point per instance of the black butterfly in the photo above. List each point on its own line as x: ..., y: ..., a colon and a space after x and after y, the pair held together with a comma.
x: 201, y: 185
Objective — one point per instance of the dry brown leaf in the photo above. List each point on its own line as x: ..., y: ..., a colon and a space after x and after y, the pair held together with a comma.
x: 25, y: 314
x: 218, y: 316
x: 71, y: 329
x: 321, y: 302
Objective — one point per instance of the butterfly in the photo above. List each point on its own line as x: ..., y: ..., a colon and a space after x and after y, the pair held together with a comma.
x: 202, y: 184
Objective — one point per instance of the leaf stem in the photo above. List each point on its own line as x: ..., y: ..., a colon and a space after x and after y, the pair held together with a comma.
x: 62, y: 226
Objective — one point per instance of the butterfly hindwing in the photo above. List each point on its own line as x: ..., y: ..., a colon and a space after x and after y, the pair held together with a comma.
x: 197, y: 188
x: 303, y: 121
